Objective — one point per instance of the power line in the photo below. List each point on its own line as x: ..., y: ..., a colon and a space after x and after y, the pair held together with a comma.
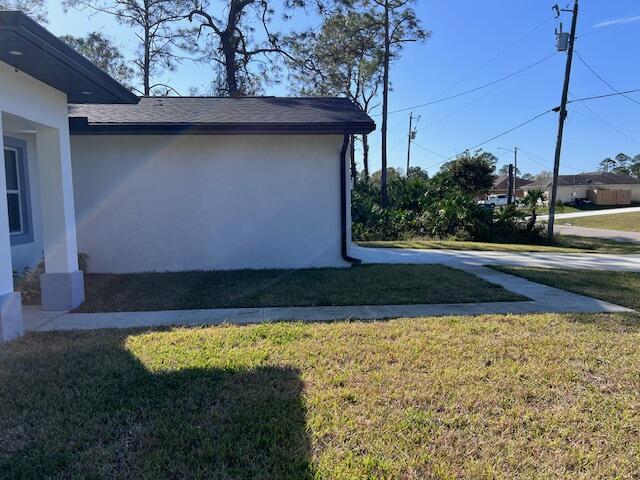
x: 636, y: 132
x: 603, y: 96
x: 495, y: 137
x: 533, y: 159
x: 391, y: 130
x: 463, y: 107
x: 532, y: 119
x: 599, y: 77
x: 604, y: 122
x: 497, y: 55
x: 430, y: 151
x: 466, y: 92
x: 548, y: 162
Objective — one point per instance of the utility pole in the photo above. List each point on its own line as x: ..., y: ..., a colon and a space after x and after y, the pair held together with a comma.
x: 411, y: 136
x: 385, y: 104
x: 562, y: 112
x: 515, y: 172
x: 510, y: 189
x: 515, y: 168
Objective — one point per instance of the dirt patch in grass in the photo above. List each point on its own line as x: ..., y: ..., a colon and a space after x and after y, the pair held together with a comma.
x: 361, y: 285
x: 529, y: 397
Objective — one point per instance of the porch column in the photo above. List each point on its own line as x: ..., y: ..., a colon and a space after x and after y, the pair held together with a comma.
x: 62, y: 284
x: 11, y: 325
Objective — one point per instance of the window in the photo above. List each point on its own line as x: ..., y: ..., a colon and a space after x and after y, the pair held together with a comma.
x: 13, y: 190
x: 15, y: 169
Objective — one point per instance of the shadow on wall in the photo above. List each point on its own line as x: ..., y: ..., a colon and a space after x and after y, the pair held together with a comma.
x: 82, y: 405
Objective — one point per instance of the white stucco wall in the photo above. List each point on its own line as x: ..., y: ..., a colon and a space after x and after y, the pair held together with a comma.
x: 171, y: 203
x: 567, y: 194
x: 26, y: 97
x: 26, y: 104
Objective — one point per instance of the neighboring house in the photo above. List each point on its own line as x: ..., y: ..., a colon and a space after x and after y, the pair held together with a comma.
x: 158, y: 184
x: 573, y: 187
x: 501, y: 186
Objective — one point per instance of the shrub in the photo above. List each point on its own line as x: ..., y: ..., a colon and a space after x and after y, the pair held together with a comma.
x: 400, y: 219
x: 28, y: 282
x: 436, y: 208
x: 511, y: 226
x: 455, y: 215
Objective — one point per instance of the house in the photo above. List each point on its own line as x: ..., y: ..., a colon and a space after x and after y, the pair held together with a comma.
x: 158, y: 184
x: 576, y: 187
x: 501, y: 186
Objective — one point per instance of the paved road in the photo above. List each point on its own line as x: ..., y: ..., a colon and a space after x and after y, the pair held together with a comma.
x: 617, y: 235
x: 592, y: 213
x: 462, y: 258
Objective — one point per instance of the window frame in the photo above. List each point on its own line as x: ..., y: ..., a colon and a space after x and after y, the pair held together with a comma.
x: 24, y: 195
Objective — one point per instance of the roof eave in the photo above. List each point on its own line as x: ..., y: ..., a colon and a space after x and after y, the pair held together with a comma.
x: 80, y: 126
x: 33, y: 33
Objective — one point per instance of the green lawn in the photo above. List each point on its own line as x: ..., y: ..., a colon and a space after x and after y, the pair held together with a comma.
x: 622, y: 288
x: 563, y: 244
x: 629, y: 222
x: 361, y: 285
x: 500, y: 397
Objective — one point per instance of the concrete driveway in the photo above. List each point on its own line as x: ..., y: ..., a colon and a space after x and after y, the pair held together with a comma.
x: 591, y: 213
x: 467, y: 258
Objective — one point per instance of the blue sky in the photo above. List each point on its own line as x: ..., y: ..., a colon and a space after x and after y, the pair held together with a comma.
x: 474, y: 43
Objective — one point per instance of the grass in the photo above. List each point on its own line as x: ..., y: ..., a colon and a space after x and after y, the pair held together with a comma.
x: 597, y: 245
x: 622, y: 288
x: 500, y: 397
x: 362, y: 285
x: 628, y: 222
x: 564, y: 244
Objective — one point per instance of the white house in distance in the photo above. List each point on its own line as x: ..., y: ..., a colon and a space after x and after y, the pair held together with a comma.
x: 158, y: 183
x: 576, y: 187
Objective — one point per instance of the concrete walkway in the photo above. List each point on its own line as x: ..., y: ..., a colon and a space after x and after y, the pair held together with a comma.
x: 591, y: 213
x: 463, y: 258
x: 542, y: 299
x: 617, y: 235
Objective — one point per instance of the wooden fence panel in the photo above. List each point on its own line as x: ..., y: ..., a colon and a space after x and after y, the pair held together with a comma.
x: 603, y: 196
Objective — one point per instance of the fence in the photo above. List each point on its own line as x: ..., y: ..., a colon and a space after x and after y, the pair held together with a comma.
x: 603, y: 196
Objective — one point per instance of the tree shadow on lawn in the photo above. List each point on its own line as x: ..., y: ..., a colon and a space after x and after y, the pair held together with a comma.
x: 82, y: 405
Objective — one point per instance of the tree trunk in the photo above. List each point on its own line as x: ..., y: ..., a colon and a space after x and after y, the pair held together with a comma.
x: 146, y: 62
x: 365, y: 155
x: 385, y: 106
x: 354, y: 171
x: 230, y: 69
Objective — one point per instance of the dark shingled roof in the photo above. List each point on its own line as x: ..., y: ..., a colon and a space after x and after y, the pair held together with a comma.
x: 590, y: 178
x: 502, y: 182
x: 222, y: 114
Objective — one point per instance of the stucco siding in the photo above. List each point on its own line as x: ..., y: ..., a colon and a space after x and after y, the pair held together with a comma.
x: 26, y: 97
x: 27, y: 104
x: 172, y: 203
x: 567, y: 194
